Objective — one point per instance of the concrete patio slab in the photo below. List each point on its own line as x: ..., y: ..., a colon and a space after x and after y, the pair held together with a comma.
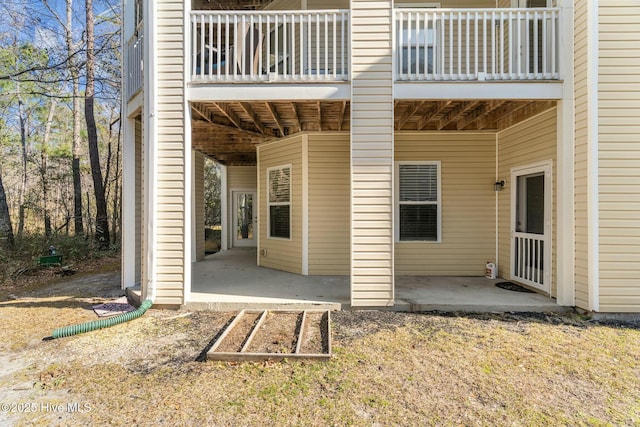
x: 231, y: 281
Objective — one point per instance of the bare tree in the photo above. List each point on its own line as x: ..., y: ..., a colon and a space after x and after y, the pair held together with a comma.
x: 75, y: 145
x: 102, y: 219
x: 5, y: 219
x: 43, y: 168
x: 25, y: 155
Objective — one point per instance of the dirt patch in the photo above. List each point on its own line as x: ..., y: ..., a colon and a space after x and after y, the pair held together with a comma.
x: 277, y: 334
x: 237, y: 337
x: 315, y: 334
x: 263, y: 335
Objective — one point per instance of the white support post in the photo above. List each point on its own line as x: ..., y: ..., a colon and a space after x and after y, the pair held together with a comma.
x: 224, y: 209
x: 129, y: 205
x: 565, y: 260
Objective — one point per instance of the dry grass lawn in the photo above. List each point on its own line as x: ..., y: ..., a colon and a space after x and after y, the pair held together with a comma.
x: 388, y: 369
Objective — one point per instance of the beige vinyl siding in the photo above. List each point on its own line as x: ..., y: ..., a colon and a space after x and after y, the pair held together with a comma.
x: 531, y: 141
x: 327, y: 4
x: 170, y: 166
x: 198, y: 170
x: 329, y: 204
x: 284, y: 5
x: 139, y: 198
x: 619, y: 155
x: 467, y: 171
x: 242, y: 178
x: 371, y: 153
x: 452, y: 4
x: 282, y: 254
x: 581, y: 148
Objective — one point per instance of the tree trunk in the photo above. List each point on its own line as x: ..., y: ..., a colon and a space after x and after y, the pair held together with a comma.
x: 102, y: 220
x: 6, y: 230
x: 43, y: 168
x: 75, y: 146
x: 23, y: 141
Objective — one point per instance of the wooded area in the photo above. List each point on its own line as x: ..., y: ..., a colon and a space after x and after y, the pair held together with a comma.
x: 60, y: 175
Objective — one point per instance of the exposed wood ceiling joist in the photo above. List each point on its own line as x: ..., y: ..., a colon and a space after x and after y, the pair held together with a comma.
x: 230, y: 131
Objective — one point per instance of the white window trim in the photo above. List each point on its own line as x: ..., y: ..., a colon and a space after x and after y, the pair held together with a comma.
x: 396, y: 204
x: 269, y: 204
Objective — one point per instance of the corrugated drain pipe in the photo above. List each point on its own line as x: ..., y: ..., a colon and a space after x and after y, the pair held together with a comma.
x: 80, y: 328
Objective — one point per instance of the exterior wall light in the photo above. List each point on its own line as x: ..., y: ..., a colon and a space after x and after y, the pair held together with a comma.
x: 499, y: 185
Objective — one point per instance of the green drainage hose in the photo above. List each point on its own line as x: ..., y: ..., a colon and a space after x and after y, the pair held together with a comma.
x: 67, y: 331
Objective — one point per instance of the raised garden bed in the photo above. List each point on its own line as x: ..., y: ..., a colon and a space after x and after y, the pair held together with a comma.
x: 274, y: 335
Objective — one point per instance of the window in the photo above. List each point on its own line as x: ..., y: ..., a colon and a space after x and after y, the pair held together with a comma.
x: 279, y: 201
x: 416, y: 43
x: 418, y: 206
x: 417, y: 51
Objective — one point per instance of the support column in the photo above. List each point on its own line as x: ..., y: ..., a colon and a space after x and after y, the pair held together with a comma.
x: 372, y: 281
x: 129, y: 231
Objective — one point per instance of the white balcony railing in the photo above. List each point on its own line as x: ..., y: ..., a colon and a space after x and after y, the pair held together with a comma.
x: 134, y: 65
x: 528, y: 258
x: 477, y: 44
x: 269, y: 46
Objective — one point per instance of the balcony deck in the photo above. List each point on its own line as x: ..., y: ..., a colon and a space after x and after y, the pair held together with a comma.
x: 439, y: 54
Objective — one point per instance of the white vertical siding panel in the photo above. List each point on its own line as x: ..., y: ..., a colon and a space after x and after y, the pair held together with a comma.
x: 619, y: 155
x: 581, y: 236
x: 171, y: 153
x: 372, y: 277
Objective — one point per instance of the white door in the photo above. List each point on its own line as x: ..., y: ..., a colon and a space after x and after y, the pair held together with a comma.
x: 531, y: 213
x: 243, y: 219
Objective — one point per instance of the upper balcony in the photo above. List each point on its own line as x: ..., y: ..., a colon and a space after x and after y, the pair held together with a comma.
x: 313, y: 46
x: 269, y: 46
x: 477, y: 44
x: 134, y: 65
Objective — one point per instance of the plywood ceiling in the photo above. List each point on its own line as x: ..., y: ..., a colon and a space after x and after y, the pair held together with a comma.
x: 230, y: 131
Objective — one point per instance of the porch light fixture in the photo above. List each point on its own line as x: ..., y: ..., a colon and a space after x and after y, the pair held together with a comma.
x: 499, y: 185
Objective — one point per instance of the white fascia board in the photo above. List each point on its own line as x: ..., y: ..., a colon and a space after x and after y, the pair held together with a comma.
x: 134, y: 105
x: 268, y: 92
x: 476, y: 90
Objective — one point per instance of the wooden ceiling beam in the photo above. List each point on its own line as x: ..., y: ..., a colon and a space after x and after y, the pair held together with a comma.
x: 439, y: 107
x: 411, y: 110
x: 296, y: 116
x: 226, y: 111
x: 456, y: 112
x: 343, y: 109
x: 528, y: 110
x: 491, y: 120
x: 201, y: 111
x: 246, y: 107
x: 474, y: 115
x: 229, y: 129
x: 276, y: 117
